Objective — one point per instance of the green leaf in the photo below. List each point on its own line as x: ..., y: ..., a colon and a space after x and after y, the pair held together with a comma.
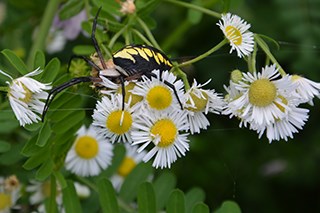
x: 71, y: 8
x: 45, y: 170
x: 195, y: 16
x: 63, y: 107
x: 83, y: 50
x: 163, y: 185
x: 51, y: 70
x: 146, y: 198
x: 36, y: 160
x: 193, y: 196
x: 44, y: 135
x: 4, y: 146
x: 15, y: 61
x: 130, y: 185
x: 39, y: 60
x: 108, y: 6
x: 70, y: 198
x: 33, y: 127
x: 30, y: 147
x: 176, y: 203
x: 12, y: 156
x: 60, y: 178
x: 229, y: 207
x: 144, y: 9
x: 8, y: 126
x: 107, y: 196
x: 71, y: 120
x: 8, y: 121
x: 200, y: 208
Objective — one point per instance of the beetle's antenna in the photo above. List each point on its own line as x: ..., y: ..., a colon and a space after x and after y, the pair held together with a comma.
x: 94, y: 40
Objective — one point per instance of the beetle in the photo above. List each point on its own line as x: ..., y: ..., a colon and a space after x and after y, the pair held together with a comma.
x: 129, y: 63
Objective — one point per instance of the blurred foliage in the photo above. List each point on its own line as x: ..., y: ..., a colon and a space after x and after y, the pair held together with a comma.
x: 228, y: 163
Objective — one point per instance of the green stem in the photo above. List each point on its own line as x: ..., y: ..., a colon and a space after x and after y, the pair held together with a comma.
x: 53, y: 194
x: 195, y: 7
x: 178, y: 72
x: 265, y: 48
x: 40, y: 40
x: 148, y: 32
x: 87, y: 7
x: 116, y: 36
x: 142, y: 37
x: 202, y: 56
x: 252, y: 60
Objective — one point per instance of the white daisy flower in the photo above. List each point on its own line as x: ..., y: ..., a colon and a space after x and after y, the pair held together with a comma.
x: 41, y: 191
x: 198, y: 103
x: 157, y: 95
x: 25, y: 97
x: 130, y: 161
x: 113, y: 88
x: 89, y: 154
x: 110, y: 121
x: 306, y: 88
x: 9, y: 193
x: 260, y: 101
x: 236, y: 31
x: 285, y: 127
x: 162, y: 131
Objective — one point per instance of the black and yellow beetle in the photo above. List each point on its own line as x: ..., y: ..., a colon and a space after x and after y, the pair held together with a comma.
x: 129, y: 63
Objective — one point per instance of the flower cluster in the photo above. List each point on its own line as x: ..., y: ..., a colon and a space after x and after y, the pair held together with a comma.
x: 149, y: 118
x: 270, y: 103
x: 154, y: 116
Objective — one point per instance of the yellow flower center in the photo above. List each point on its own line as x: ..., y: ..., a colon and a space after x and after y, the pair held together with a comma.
x: 119, y: 122
x: 295, y: 77
x: 234, y: 35
x: 46, y: 189
x: 86, y: 147
x: 126, y: 166
x: 134, y: 98
x: 262, y: 92
x: 284, y: 101
x: 159, y: 97
x: 27, y: 94
x: 166, y: 130
x: 200, y: 102
x: 5, y: 201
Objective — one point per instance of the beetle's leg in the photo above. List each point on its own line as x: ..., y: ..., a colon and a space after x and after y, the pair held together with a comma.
x: 94, y: 40
x: 61, y: 87
x: 150, y: 74
x: 174, y: 91
x: 123, y: 91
